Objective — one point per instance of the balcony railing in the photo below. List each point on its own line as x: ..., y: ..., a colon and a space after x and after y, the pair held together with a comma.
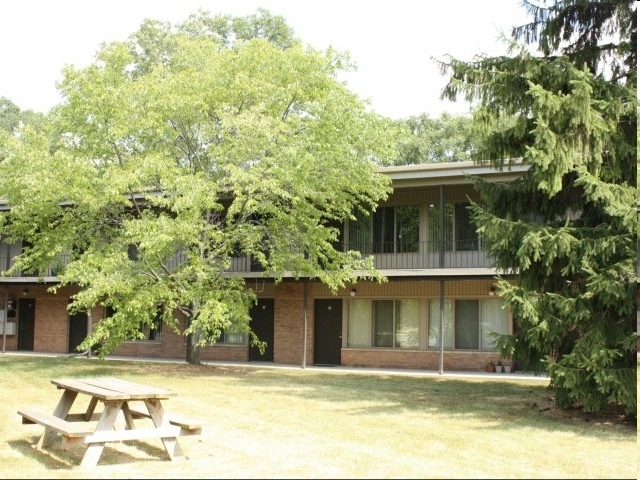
x: 414, y: 256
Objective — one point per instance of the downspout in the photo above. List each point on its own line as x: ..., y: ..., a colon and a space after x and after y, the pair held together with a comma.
x: 89, y: 330
x: 4, y: 320
x: 6, y: 305
x: 441, y: 356
x: 441, y: 265
x: 304, y: 320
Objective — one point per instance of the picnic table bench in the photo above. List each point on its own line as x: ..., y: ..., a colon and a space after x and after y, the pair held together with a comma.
x: 121, y: 399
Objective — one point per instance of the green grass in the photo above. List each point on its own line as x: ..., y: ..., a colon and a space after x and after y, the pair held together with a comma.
x: 295, y: 423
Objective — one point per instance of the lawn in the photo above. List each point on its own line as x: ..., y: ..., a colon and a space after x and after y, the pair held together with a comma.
x: 304, y: 423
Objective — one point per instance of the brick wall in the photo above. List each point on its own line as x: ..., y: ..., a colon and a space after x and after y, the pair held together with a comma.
x: 417, y: 359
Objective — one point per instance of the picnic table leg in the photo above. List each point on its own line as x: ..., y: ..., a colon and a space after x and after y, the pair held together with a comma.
x: 106, y: 422
x: 171, y: 445
x: 90, y: 409
x: 61, y: 411
x: 128, y: 418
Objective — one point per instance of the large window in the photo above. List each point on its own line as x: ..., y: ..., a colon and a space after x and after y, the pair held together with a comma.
x: 387, y: 230
x: 468, y: 324
x: 384, y: 323
x: 459, y: 230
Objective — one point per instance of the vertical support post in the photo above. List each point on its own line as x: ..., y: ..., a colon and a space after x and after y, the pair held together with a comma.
x: 441, y: 236
x: 4, y: 319
x: 304, y: 320
x: 89, y: 329
x: 441, y: 353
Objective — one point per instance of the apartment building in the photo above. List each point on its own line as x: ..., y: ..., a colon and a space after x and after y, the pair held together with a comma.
x: 437, y: 310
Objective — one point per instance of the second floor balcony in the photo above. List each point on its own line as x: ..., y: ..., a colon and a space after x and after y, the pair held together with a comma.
x: 423, y: 255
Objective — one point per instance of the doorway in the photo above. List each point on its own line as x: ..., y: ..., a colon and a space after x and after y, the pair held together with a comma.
x: 26, y: 323
x: 262, y: 324
x: 77, y: 330
x: 327, y: 332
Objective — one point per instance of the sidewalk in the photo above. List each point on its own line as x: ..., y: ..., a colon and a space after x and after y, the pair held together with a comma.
x: 321, y: 368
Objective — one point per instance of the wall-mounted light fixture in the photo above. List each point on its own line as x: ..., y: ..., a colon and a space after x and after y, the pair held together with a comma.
x: 25, y: 292
x: 492, y: 290
x: 352, y: 292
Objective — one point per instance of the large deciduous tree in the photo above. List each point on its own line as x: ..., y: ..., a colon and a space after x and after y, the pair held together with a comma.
x: 447, y: 138
x: 568, y: 229
x: 186, y: 147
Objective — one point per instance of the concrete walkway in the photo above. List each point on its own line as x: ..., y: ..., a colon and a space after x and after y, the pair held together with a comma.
x: 338, y: 369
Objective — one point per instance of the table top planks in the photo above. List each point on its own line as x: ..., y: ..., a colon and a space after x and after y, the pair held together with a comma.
x: 109, y: 388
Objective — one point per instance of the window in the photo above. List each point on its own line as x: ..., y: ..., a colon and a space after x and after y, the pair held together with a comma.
x: 468, y: 324
x: 229, y: 337
x: 459, y: 228
x: 152, y: 332
x: 384, y: 323
x: 387, y: 230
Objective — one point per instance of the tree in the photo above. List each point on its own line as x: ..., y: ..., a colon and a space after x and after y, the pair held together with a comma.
x: 12, y: 118
x: 568, y: 229
x: 182, y: 149
x: 447, y: 138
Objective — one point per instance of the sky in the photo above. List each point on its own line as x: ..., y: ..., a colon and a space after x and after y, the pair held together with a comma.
x: 392, y: 42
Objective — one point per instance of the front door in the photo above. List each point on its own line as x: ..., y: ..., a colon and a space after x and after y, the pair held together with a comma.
x: 262, y: 325
x: 327, y: 332
x: 26, y: 323
x: 77, y: 330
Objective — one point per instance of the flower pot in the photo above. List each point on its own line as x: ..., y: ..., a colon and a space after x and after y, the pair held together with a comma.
x: 498, y: 368
x: 491, y: 368
x: 507, y: 369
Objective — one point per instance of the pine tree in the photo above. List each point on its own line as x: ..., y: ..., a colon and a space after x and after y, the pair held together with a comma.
x: 564, y: 237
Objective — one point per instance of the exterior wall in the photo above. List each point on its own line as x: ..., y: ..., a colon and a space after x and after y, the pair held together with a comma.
x: 289, y: 323
x: 52, y: 327
x: 416, y: 359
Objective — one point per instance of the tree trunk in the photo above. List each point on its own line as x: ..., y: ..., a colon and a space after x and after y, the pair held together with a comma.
x: 193, y: 340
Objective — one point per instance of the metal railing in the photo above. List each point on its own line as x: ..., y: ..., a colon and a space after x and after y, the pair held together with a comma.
x: 413, y: 256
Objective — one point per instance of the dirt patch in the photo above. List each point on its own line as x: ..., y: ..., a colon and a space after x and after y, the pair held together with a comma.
x: 612, y: 415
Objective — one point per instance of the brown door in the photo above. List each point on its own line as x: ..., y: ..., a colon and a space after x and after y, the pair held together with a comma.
x: 327, y: 332
x: 26, y: 323
x: 262, y: 326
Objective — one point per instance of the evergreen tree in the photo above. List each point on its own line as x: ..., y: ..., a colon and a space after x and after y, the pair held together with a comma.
x: 564, y: 102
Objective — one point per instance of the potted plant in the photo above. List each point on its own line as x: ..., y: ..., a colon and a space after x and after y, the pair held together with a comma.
x: 507, y: 368
x: 490, y: 366
x: 499, y: 367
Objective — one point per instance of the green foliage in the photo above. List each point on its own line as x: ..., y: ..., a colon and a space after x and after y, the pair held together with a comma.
x: 566, y: 232
x: 183, y: 149
x: 444, y: 139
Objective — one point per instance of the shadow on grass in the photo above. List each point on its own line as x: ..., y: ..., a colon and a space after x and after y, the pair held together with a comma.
x: 59, y: 457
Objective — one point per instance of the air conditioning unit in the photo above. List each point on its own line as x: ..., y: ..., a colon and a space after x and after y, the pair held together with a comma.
x: 10, y: 328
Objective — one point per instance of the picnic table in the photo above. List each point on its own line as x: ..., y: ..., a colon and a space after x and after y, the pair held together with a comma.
x: 121, y: 399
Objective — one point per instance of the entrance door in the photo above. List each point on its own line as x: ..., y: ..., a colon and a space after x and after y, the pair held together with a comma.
x: 327, y: 331
x: 262, y: 325
x: 26, y: 323
x: 77, y: 330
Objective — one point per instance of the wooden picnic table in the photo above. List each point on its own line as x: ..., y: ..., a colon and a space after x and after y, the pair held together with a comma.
x: 120, y: 398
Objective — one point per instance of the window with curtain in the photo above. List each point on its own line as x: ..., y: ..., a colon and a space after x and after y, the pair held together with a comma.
x: 465, y: 231
x: 231, y: 337
x: 384, y: 323
x: 468, y: 324
x: 458, y: 227
x: 434, y: 227
x: 359, y: 323
x: 387, y: 230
